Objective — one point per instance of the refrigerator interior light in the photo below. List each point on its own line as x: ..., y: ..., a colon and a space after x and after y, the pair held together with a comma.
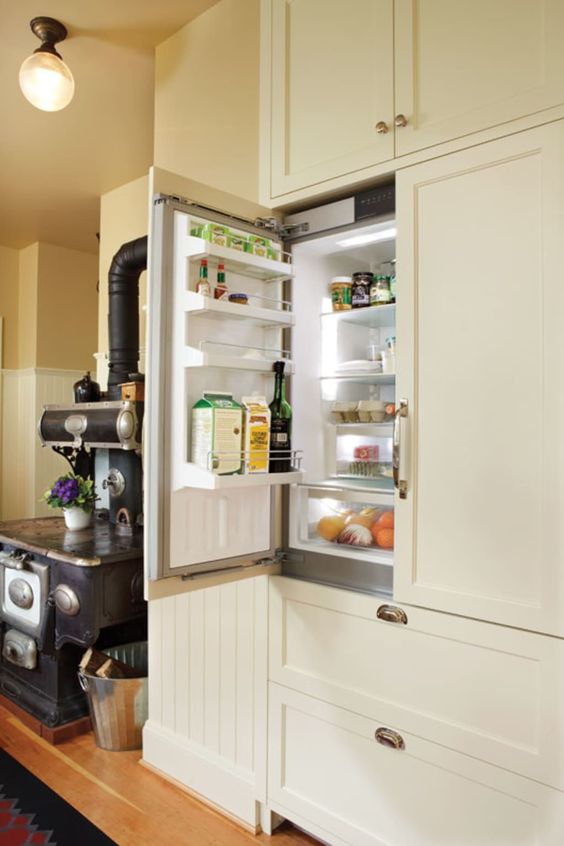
x: 369, y: 238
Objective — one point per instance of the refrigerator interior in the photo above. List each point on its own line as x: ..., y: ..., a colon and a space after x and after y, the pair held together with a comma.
x: 340, y: 524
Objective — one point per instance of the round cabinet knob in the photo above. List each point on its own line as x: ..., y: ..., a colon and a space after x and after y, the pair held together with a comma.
x: 66, y: 600
x: 21, y: 593
x: 400, y: 120
x: 381, y: 127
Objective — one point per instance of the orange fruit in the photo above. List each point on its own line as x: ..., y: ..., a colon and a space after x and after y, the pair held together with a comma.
x: 384, y: 538
x: 386, y: 520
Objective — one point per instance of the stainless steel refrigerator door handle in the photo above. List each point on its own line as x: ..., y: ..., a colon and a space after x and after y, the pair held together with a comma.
x: 399, y: 484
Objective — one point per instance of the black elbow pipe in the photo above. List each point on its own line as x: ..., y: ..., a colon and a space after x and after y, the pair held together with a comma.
x: 123, y: 319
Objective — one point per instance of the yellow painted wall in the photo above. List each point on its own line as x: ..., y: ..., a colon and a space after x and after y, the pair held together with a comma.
x: 9, y: 281
x: 124, y: 216
x: 27, y: 308
x: 207, y: 99
x: 67, y: 308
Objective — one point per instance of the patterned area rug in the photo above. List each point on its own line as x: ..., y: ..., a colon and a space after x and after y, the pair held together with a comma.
x: 31, y: 814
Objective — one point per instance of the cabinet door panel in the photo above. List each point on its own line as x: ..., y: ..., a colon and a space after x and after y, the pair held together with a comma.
x: 331, y: 84
x: 326, y: 766
x: 466, y: 66
x: 481, y: 359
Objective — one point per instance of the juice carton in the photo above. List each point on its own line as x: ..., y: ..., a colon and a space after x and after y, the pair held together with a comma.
x: 217, y: 425
x: 256, y: 434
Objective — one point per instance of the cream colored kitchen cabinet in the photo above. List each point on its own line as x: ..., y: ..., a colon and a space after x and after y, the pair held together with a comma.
x: 350, y: 89
x: 474, y: 64
x: 331, y: 91
x: 330, y: 770
x: 481, y: 368
x: 488, y: 691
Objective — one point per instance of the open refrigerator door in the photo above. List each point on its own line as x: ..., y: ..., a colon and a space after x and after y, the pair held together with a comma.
x: 218, y: 322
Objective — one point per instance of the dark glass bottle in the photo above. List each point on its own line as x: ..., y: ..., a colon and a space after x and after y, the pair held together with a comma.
x: 86, y: 390
x: 280, y: 424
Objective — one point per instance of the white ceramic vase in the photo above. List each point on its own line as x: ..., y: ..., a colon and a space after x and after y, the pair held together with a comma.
x: 77, y: 518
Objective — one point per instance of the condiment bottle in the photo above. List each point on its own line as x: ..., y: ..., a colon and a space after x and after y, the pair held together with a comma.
x: 361, y: 283
x: 380, y: 293
x: 220, y: 286
x: 203, y: 286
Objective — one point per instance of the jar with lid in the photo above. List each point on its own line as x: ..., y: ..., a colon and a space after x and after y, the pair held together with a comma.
x: 380, y: 292
x: 361, y: 283
x: 341, y: 287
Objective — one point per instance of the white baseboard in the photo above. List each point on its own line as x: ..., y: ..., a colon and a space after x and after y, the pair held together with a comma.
x: 213, y: 778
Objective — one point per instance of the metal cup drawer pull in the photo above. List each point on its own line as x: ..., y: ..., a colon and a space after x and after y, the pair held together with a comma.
x: 389, y: 737
x: 392, y: 614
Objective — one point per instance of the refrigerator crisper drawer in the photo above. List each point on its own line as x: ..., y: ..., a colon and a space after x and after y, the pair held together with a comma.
x: 345, y: 523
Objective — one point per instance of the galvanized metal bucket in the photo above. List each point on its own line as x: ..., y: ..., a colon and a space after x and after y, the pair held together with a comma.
x: 118, y: 707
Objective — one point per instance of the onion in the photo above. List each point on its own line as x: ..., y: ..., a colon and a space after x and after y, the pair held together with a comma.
x: 355, y: 535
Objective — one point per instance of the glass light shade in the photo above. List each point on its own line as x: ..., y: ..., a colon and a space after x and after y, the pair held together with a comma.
x: 46, y: 82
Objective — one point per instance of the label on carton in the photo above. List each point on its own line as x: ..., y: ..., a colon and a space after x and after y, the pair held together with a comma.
x: 256, y: 434
x: 217, y: 422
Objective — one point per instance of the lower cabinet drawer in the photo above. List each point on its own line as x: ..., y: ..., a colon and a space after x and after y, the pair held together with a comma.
x: 327, y: 768
x: 487, y: 691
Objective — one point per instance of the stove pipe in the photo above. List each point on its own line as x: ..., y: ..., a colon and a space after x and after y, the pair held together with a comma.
x: 123, y: 318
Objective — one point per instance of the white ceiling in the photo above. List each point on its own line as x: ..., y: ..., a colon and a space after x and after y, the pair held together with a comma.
x: 55, y: 165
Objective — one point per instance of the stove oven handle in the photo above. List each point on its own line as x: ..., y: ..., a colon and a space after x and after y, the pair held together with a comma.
x: 13, y: 561
x: 45, y: 632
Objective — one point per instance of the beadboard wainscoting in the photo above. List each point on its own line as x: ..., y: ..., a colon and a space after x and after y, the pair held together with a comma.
x: 27, y: 467
x: 207, y: 724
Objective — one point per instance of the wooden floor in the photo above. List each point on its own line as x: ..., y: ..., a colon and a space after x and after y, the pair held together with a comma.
x: 128, y: 802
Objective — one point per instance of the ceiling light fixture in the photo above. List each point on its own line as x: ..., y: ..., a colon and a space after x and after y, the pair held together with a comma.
x: 369, y: 238
x: 45, y: 80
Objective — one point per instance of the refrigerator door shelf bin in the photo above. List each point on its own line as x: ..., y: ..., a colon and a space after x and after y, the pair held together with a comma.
x: 234, y: 360
x: 236, y: 261
x: 190, y: 475
x: 373, y: 316
x: 277, y: 313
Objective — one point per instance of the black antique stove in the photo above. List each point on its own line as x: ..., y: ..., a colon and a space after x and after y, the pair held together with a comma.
x: 61, y: 592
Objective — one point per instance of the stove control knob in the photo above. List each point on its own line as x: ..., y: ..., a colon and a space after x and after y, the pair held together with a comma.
x: 21, y: 593
x: 66, y: 600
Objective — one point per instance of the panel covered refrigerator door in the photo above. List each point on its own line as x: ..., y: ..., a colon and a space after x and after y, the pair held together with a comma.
x: 481, y: 366
x: 209, y: 507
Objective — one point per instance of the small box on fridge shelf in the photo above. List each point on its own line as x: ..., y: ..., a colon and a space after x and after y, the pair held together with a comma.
x: 256, y: 434
x: 217, y: 424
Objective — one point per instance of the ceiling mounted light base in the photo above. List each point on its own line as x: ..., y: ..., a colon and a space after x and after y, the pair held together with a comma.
x: 45, y: 80
x: 50, y: 32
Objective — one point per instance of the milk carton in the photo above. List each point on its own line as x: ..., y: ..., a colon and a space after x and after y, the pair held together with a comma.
x: 256, y: 434
x: 217, y: 425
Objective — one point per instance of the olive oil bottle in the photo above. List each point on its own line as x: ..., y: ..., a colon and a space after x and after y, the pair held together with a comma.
x: 280, y: 424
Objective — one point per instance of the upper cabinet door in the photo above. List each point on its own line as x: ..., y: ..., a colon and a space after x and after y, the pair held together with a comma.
x: 331, y: 94
x: 480, y: 305
x: 469, y: 65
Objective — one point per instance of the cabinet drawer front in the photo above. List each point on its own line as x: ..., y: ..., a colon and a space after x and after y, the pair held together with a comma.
x: 326, y: 766
x: 489, y: 692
